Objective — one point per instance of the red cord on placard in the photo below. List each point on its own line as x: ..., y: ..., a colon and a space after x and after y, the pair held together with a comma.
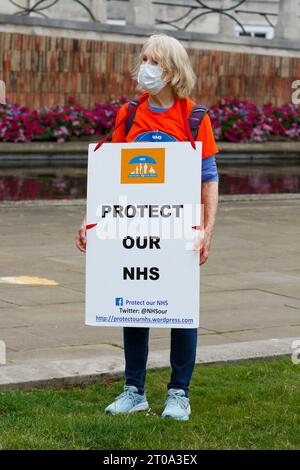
x: 140, y: 100
x: 89, y: 226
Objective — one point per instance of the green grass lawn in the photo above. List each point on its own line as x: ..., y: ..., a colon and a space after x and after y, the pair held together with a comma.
x: 254, y: 405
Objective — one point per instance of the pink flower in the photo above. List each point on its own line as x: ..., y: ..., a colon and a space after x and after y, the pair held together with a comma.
x: 232, y: 120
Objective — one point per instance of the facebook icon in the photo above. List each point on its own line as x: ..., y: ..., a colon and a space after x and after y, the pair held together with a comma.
x: 119, y: 301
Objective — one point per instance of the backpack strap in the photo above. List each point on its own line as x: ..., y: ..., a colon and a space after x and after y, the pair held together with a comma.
x: 195, y: 118
x: 130, y: 119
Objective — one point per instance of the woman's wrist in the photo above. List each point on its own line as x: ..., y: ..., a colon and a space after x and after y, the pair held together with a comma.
x: 209, y: 228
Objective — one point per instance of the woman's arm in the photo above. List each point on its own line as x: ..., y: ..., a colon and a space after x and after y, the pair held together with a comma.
x: 209, y: 199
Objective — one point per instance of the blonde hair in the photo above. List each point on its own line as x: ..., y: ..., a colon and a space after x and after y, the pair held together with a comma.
x: 173, y: 59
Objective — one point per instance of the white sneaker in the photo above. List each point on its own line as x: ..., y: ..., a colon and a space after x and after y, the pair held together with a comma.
x: 129, y: 401
x: 177, y: 405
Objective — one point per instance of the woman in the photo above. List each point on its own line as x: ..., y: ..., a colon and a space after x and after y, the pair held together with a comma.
x: 166, y: 78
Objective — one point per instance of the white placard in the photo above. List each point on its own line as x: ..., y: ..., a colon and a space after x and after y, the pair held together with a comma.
x: 141, y: 268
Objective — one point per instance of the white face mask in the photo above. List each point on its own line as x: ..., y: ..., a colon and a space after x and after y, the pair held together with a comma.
x: 149, y: 78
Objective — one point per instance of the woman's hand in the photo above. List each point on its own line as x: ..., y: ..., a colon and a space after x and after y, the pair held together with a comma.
x: 202, y: 244
x: 205, y: 246
x: 81, y: 236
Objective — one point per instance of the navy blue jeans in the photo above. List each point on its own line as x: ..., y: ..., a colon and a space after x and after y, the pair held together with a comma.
x: 182, y: 356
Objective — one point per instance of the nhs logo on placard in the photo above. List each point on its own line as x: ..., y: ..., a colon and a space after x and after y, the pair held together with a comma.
x: 143, y: 165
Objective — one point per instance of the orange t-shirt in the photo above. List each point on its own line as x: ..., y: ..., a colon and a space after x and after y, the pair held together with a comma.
x: 170, y: 122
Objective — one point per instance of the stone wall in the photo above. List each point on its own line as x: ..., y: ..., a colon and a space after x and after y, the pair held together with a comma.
x: 42, y: 70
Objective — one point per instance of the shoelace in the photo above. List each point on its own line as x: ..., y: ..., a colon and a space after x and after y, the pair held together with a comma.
x: 128, y: 394
x: 181, y: 400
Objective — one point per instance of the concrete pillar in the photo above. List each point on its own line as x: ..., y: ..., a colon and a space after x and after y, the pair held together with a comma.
x: 288, y: 23
x: 140, y: 13
x: 99, y: 10
x: 226, y: 24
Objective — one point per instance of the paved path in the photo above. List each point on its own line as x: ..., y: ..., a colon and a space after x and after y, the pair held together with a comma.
x: 250, y: 287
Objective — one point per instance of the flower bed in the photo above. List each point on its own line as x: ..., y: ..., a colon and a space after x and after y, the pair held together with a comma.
x: 241, y: 121
x: 232, y: 120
